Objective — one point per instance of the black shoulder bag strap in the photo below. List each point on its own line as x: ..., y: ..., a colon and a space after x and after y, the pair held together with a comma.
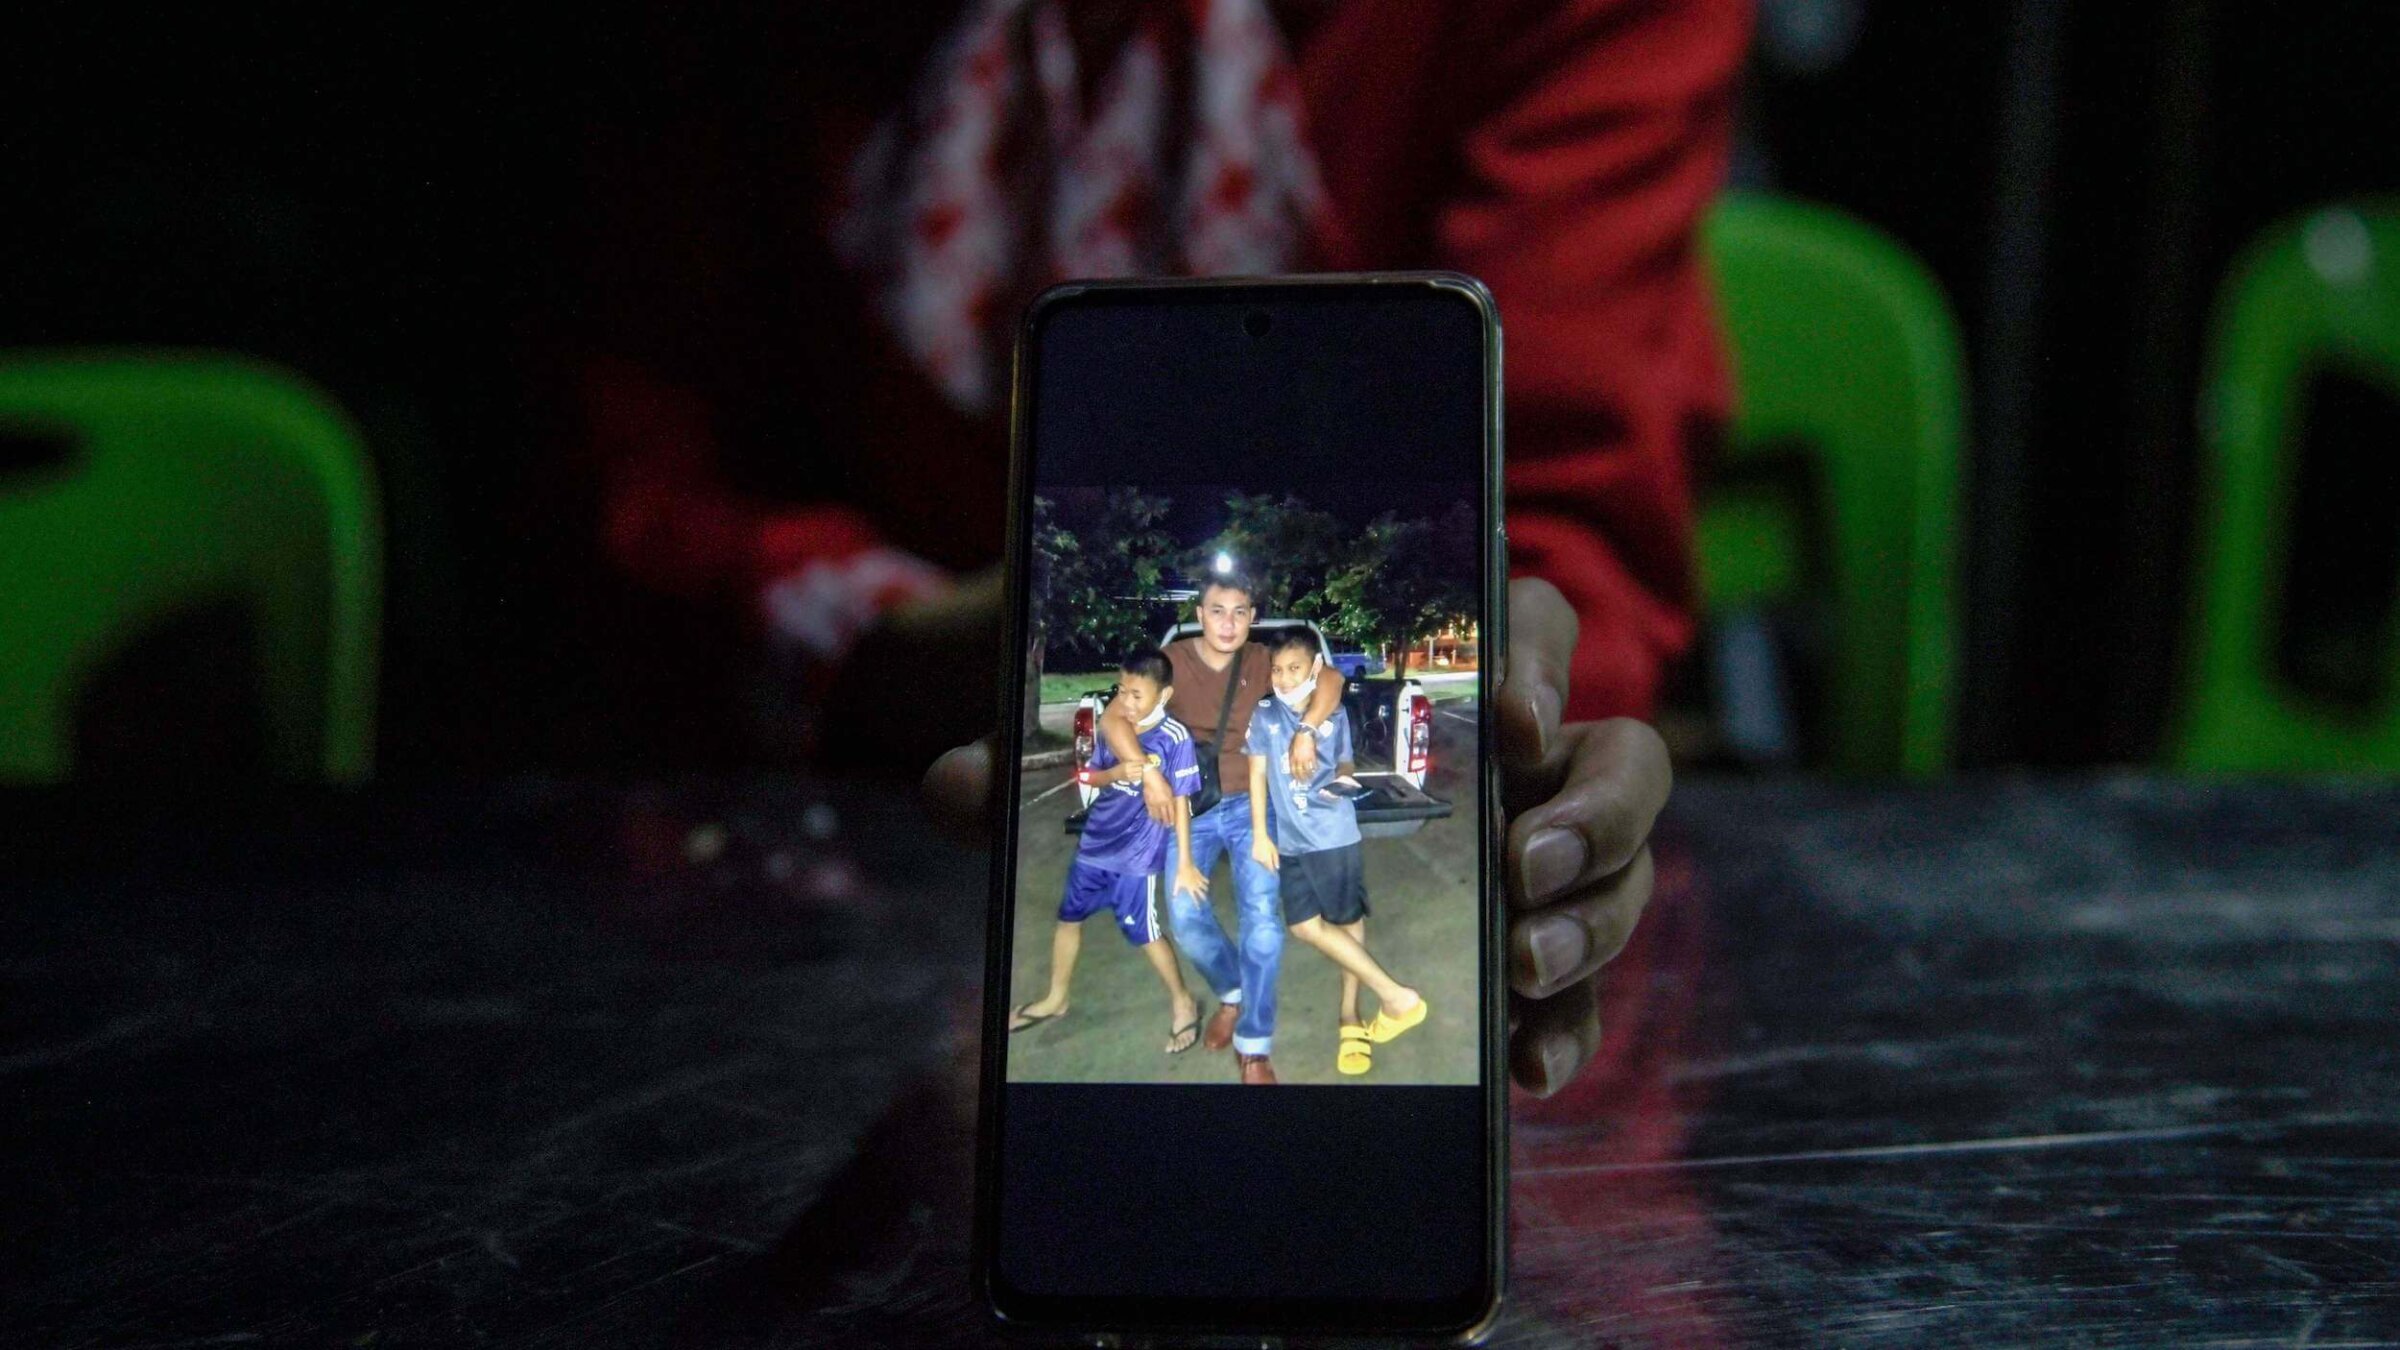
x: 1212, y: 791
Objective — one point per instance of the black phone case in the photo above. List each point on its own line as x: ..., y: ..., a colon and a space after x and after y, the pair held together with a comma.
x: 1001, y: 814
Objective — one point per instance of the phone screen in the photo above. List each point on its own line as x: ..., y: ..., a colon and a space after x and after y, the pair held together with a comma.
x: 1251, y: 516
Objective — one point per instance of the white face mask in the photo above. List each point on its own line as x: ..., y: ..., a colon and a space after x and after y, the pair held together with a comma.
x: 1157, y: 715
x: 1297, y: 699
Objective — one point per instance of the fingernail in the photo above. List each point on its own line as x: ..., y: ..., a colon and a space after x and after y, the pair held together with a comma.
x: 1553, y: 859
x: 1559, y: 947
x: 1547, y: 702
x: 1558, y: 1063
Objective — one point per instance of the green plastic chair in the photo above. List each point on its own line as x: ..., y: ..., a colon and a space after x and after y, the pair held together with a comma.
x: 187, y: 479
x: 2316, y: 293
x: 1844, y: 352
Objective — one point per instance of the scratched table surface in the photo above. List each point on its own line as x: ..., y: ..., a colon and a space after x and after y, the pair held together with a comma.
x: 2088, y: 1062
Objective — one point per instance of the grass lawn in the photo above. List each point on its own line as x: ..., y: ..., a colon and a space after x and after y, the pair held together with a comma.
x: 1068, y: 688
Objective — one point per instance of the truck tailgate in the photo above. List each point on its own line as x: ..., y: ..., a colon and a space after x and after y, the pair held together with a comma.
x: 1396, y: 807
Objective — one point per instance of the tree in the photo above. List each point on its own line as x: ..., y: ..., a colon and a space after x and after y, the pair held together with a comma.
x: 1404, y: 580
x: 1058, y: 564
x: 1286, y: 545
x: 1096, y: 587
x: 1056, y: 553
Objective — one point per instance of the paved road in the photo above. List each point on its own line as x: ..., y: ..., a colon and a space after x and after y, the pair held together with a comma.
x: 1422, y: 926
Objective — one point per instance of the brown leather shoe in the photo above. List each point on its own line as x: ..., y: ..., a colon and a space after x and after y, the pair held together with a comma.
x: 1257, y: 1071
x: 1220, y: 1026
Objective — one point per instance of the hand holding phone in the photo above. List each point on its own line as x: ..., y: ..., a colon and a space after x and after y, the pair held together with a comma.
x: 1603, y: 783
x: 1366, y: 426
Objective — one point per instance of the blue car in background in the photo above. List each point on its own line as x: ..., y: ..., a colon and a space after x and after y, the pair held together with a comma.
x: 1354, y: 664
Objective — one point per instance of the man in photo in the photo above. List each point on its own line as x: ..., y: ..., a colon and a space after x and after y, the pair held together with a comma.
x: 1314, y: 846
x: 1243, y: 978
x: 1120, y: 854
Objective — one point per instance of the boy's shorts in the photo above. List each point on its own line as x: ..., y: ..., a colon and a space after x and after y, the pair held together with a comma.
x: 1134, y: 900
x: 1330, y: 883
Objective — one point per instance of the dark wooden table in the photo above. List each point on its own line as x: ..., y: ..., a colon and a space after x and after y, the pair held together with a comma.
x: 2080, y: 1062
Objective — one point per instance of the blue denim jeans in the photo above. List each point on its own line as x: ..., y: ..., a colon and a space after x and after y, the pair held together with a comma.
x: 1243, y: 974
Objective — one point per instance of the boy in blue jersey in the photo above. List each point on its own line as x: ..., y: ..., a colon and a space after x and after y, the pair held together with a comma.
x: 1122, y: 852
x: 1316, y: 849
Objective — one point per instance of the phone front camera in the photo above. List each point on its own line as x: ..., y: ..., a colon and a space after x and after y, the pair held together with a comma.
x: 1257, y: 324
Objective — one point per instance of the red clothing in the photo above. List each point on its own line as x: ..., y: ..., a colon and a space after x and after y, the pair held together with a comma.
x: 1561, y: 150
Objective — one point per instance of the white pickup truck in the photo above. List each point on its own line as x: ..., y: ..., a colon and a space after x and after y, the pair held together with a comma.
x: 1391, y: 734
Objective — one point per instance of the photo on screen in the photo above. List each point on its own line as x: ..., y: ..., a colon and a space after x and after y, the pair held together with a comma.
x: 1319, y: 649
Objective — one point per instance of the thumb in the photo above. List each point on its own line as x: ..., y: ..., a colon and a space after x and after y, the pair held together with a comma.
x: 1542, y: 631
x: 957, y: 791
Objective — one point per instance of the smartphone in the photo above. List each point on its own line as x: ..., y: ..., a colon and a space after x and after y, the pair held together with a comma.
x: 1243, y: 1070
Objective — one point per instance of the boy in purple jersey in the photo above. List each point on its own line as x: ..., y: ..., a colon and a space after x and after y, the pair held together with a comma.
x: 1122, y: 851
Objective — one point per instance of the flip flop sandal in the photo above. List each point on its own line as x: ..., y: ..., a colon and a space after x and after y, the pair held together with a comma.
x: 1176, y: 1039
x: 1355, y: 1054
x: 1019, y: 1021
x: 1386, y: 1027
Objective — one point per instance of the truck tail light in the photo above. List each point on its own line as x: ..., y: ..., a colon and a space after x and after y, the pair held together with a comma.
x: 1420, y: 732
x: 1083, y: 741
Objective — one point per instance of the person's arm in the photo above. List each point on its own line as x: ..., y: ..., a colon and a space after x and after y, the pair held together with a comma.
x: 660, y: 370
x: 1323, y: 703
x: 1262, y: 843
x: 1594, y: 137
x: 1188, y: 879
x: 1125, y: 742
x: 1119, y: 772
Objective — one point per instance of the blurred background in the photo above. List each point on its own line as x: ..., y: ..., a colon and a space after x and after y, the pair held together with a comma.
x: 2110, y: 291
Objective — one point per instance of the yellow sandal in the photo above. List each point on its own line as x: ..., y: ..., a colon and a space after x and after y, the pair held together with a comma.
x: 1355, y: 1054
x: 1387, y: 1027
